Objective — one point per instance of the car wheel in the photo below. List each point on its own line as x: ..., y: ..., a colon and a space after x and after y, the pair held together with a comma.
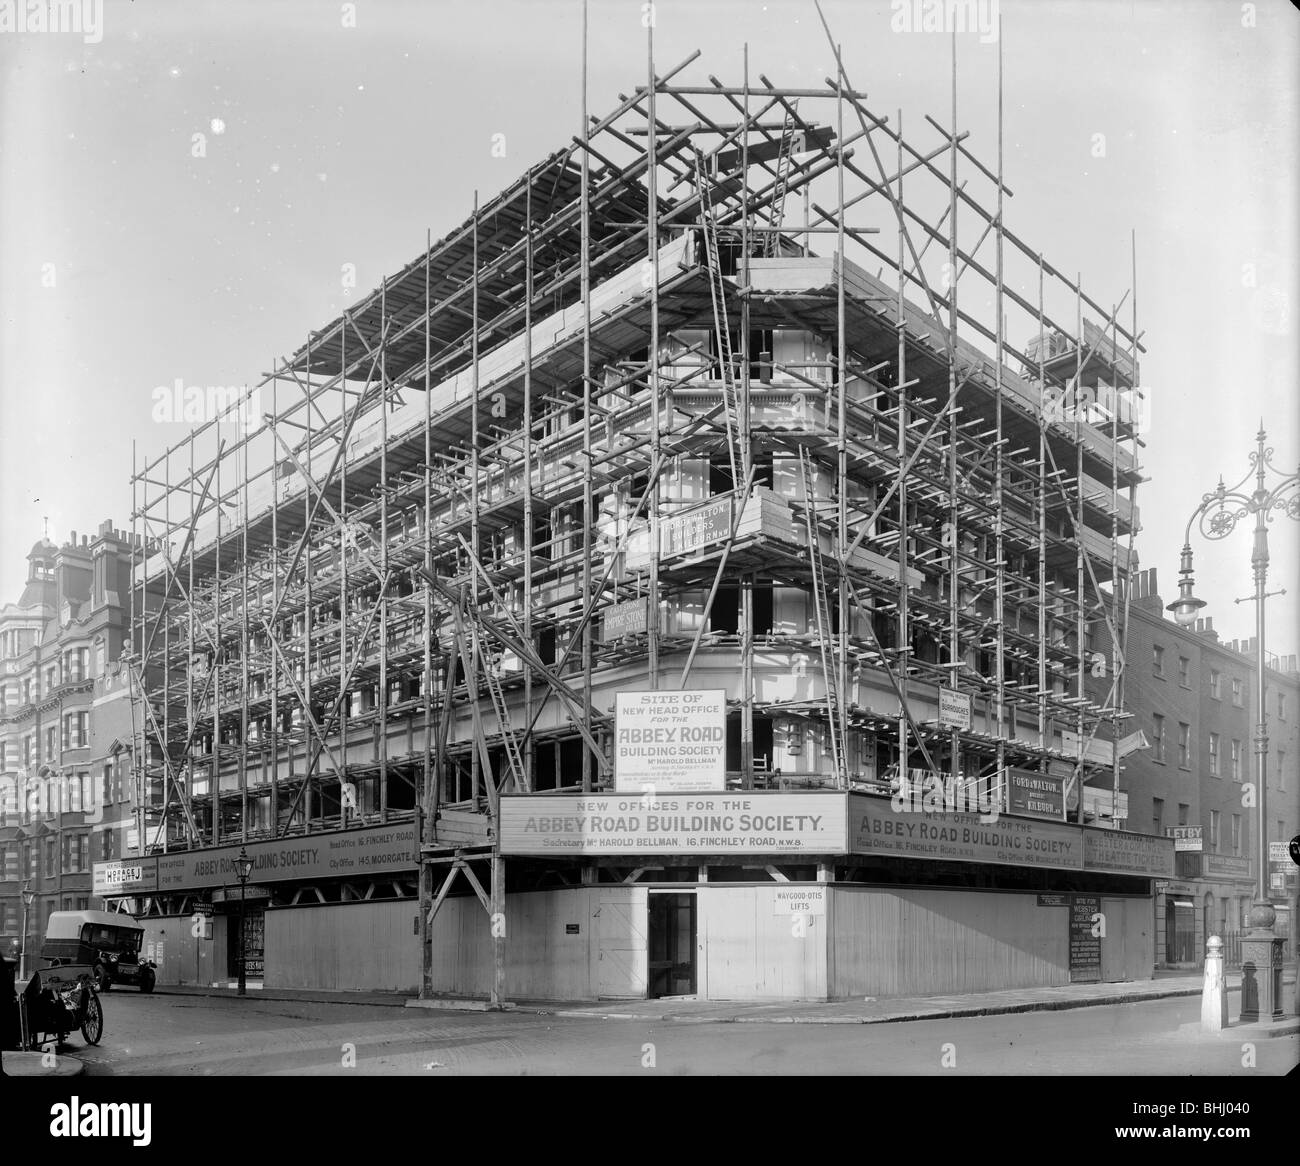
x: 92, y: 1024
x: 146, y: 980
x: 102, y: 979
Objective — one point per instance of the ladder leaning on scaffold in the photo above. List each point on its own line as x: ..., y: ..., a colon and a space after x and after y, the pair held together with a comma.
x: 776, y: 212
x: 823, y: 614
x: 717, y: 293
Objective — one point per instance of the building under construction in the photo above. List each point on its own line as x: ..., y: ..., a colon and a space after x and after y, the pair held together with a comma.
x: 766, y: 410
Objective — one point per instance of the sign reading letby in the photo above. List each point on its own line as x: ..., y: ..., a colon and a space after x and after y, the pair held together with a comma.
x: 807, y: 823
x: 1185, y: 837
x: 954, y: 709
x: 670, y: 742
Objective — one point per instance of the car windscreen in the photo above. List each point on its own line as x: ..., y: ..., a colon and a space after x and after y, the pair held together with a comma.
x: 107, y: 938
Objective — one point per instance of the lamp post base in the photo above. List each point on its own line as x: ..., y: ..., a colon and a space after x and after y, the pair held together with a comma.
x: 1261, y: 968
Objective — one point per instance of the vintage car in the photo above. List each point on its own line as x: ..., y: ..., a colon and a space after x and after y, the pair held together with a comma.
x: 102, y: 946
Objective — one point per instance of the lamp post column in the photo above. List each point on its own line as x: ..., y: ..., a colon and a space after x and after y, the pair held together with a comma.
x: 243, y: 882
x: 1261, y: 949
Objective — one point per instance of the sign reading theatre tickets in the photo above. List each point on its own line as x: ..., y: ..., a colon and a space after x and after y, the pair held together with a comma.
x: 338, y: 854
x: 711, y: 823
x: 670, y: 742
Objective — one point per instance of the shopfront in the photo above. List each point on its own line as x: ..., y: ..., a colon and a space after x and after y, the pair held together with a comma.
x: 817, y: 895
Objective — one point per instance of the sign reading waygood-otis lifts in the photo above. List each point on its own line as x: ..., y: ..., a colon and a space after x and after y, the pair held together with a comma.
x: 732, y: 823
x: 338, y: 854
x: 670, y: 742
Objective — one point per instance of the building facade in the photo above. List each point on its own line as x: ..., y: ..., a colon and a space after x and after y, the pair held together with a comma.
x: 1194, y: 698
x: 67, y: 796
x: 630, y: 436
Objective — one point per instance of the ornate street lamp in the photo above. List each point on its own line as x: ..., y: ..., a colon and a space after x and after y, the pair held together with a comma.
x: 29, y: 897
x: 243, y: 869
x: 1217, y: 517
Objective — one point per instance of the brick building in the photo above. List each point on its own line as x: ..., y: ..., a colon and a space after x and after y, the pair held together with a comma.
x: 66, y: 778
x: 1194, y: 697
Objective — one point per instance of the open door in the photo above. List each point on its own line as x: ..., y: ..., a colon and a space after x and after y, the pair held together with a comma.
x: 672, y: 966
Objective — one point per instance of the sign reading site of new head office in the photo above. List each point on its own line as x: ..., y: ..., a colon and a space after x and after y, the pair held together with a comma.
x: 670, y: 742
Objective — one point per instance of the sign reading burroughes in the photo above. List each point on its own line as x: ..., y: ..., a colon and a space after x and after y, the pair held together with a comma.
x: 797, y: 899
x: 338, y: 854
x: 954, y: 708
x: 805, y: 823
x: 874, y: 828
x: 670, y: 742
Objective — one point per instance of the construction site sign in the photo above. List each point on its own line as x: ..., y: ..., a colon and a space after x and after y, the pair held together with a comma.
x: 624, y: 619
x: 1035, y: 795
x: 954, y: 709
x: 730, y: 823
x: 670, y: 742
x: 701, y: 526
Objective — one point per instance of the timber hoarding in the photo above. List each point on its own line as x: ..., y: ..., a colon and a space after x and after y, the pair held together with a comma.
x: 814, y: 823
x: 340, y: 854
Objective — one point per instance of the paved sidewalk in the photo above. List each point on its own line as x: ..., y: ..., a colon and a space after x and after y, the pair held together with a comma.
x: 869, y: 1010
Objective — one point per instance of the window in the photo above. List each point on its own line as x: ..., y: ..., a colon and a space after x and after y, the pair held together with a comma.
x: 1183, y: 808
x: 28, y: 871
x: 1281, y: 769
x: 1214, y: 831
x: 1184, y: 672
x: 51, y: 743
x: 1236, y: 760
x: 74, y: 730
x: 1158, y: 816
x: 1281, y: 706
x: 1214, y: 683
x: 27, y: 692
x: 78, y: 851
x: 51, y: 856
x: 1236, y: 834
x: 106, y: 845
x: 1214, y: 754
x: 1184, y: 746
x: 3, y: 763
x: 1158, y: 733
x: 108, y: 785
x: 74, y: 664
x: 1157, y: 660
x: 1237, y: 690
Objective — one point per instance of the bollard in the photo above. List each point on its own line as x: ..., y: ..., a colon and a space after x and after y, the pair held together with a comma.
x: 1214, y: 995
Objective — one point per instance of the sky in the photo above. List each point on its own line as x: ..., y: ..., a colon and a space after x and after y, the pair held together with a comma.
x: 187, y: 189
